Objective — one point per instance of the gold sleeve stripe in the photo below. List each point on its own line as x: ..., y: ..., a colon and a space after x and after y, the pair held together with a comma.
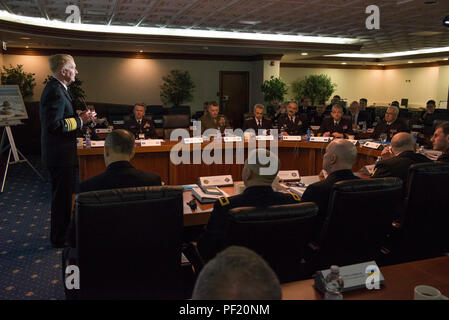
x: 223, y: 201
x: 374, y: 172
x: 295, y: 196
x: 71, y: 124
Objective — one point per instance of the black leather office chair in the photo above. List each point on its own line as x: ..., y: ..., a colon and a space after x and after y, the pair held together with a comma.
x: 278, y: 233
x: 156, y: 112
x: 180, y: 110
x: 359, y: 220
x: 175, y: 121
x: 426, y: 220
x: 129, y: 244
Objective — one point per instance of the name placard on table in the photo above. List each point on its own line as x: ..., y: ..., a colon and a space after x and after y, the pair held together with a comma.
x: 193, y: 140
x: 291, y: 138
x: 265, y: 138
x: 104, y: 130
x: 372, y: 145
x: 319, y: 139
x: 150, y: 142
x: 96, y: 144
x: 232, y: 139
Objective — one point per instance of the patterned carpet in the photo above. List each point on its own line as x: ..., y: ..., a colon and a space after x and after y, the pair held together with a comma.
x: 29, y: 267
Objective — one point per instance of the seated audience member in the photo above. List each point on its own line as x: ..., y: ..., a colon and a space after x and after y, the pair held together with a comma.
x: 335, y: 100
x: 257, y: 122
x: 205, y: 107
x: 120, y: 173
x: 337, y: 162
x: 292, y: 123
x: 427, y: 117
x: 397, y: 159
x: 138, y: 125
x: 363, y: 103
x: 258, y: 179
x: 391, y: 124
x: 440, y: 141
x: 304, y: 103
x: 395, y: 104
x: 237, y: 273
x: 336, y: 126
x: 358, y: 117
x: 316, y: 117
x: 212, y: 120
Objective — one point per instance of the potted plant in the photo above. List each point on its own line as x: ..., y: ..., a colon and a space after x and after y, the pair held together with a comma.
x: 274, y: 90
x: 16, y: 75
x: 177, y: 88
x: 316, y: 87
x: 76, y: 91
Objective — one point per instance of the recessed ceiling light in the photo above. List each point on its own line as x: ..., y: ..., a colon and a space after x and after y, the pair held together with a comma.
x: 27, y: 47
x: 252, y: 23
x: 25, y: 38
x: 304, y: 53
x: 343, y: 63
x: 410, y: 62
x: 140, y: 51
x: 446, y: 59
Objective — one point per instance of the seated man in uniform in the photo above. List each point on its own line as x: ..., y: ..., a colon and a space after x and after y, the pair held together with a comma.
x: 338, y: 160
x: 257, y: 122
x: 358, y: 117
x: 237, y: 273
x: 397, y: 159
x: 336, y: 126
x: 120, y: 173
x: 440, y: 141
x: 258, y: 179
x: 212, y: 120
x: 317, y: 116
x: 363, y: 103
x: 292, y: 122
x: 139, y: 126
x: 391, y: 124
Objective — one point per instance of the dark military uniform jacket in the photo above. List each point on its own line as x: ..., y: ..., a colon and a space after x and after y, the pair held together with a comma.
x: 316, y: 119
x: 294, y: 128
x: 208, y: 123
x: 444, y: 157
x: 145, y: 128
x: 397, y: 126
x: 251, y: 123
x: 398, y: 166
x: 319, y: 192
x: 211, y: 240
x: 59, y: 125
x: 427, y: 120
x: 344, y: 126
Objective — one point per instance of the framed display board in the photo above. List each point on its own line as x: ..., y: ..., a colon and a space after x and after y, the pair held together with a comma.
x: 12, y: 107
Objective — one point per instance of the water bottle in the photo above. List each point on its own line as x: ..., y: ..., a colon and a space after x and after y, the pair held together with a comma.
x: 364, y: 126
x: 308, y: 134
x: 282, y: 132
x: 88, y: 139
x: 333, y: 285
x: 379, y: 158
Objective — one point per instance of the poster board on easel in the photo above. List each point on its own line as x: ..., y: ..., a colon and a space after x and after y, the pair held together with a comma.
x: 12, y: 107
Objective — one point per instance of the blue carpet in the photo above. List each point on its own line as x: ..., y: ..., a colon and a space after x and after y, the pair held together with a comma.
x: 29, y: 267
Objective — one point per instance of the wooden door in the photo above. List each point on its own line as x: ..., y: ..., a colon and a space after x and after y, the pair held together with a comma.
x: 234, y: 95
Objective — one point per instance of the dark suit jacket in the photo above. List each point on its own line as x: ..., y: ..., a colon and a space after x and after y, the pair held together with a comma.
x: 251, y: 123
x: 58, y: 126
x: 397, y: 126
x: 211, y: 240
x: 298, y: 127
x: 344, y: 126
x: 316, y: 119
x: 135, y: 128
x: 363, y: 116
x: 398, y: 166
x: 319, y: 192
x: 120, y: 174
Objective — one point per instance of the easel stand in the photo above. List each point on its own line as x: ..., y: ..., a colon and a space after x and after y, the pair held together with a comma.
x: 15, y: 152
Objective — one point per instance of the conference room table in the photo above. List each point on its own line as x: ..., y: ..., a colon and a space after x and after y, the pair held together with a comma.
x: 304, y: 156
x: 400, y: 281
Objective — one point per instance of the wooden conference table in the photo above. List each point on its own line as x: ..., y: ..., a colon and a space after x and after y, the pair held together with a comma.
x: 306, y: 157
x: 400, y: 281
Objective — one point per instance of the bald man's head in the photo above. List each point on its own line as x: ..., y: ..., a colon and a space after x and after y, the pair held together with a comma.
x: 401, y: 142
x: 340, y: 154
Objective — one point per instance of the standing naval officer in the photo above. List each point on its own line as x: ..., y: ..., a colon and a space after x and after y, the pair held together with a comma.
x: 58, y: 142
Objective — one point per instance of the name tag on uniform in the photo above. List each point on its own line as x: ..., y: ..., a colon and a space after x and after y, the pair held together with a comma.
x: 141, y: 136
